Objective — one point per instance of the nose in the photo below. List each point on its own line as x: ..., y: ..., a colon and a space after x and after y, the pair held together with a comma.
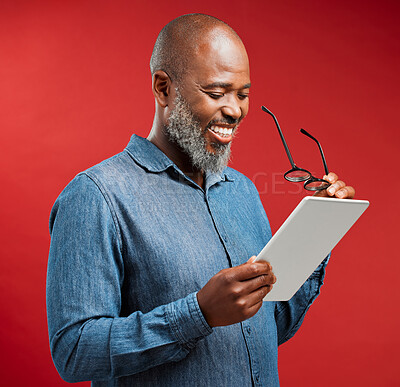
x: 232, y: 108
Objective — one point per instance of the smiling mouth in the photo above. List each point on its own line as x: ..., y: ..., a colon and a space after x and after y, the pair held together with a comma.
x: 222, y: 131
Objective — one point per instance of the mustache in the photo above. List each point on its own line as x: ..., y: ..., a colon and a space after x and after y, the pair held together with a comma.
x: 226, y: 120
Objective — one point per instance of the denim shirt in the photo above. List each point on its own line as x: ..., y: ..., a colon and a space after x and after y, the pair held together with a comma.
x: 132, y: 241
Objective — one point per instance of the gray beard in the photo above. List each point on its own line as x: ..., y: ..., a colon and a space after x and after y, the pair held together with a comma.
x: 185, y: 130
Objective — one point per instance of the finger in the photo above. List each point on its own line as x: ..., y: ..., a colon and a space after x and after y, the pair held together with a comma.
x: 259, y: 282
x: 331, y: 190
x: 258, y: 295
x: 251, y: 259
x: 254, y: 309
x: 332, y: 177
x: 251, y: 270
x: 346, y: 192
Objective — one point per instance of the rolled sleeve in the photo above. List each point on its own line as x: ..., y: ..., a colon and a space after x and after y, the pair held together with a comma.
x: 187, y: 320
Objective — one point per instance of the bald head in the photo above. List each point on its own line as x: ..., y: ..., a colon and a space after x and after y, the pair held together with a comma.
x: 181, y: 40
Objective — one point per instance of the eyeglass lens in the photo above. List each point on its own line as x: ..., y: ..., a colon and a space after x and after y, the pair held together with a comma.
x: 297, y: 175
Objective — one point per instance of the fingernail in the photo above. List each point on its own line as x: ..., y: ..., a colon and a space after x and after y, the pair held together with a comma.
x: 340, y: 194
x: 331, y: 190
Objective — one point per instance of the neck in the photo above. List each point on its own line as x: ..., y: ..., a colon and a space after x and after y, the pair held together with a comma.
x: 174, y: 153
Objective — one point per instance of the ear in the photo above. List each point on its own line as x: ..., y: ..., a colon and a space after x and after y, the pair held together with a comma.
x: 161, y: 85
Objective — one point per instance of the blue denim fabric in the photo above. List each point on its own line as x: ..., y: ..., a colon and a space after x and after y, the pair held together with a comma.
x: 132, y: 241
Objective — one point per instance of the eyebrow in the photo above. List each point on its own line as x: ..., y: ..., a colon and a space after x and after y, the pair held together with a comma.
x: 223, y: 85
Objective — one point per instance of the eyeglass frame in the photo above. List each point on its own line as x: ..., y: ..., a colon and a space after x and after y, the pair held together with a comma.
x: 308, y: 180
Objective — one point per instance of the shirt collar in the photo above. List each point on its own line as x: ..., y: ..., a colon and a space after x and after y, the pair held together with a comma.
x: 151, y: 158
x: 147, y: 155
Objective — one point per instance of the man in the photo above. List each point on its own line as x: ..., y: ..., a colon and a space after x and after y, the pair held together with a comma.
x: 149, y: 279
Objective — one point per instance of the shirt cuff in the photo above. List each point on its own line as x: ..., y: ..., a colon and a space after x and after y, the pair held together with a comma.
x: 187, y: 321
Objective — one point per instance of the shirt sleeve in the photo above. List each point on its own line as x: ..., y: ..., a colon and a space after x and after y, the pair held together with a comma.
x: 289, y: 315
x: 88, y: 338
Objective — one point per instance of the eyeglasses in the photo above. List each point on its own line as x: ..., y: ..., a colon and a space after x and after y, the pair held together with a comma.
x: 297, y: 174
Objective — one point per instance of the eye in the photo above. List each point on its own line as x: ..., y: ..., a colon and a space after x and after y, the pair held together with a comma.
x: 215, y: 95
x: 242, y: 96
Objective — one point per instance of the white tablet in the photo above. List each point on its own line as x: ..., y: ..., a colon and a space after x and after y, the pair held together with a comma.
x: 306, y: 237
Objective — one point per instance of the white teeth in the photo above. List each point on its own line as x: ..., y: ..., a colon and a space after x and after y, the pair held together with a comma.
x: 220, y: 130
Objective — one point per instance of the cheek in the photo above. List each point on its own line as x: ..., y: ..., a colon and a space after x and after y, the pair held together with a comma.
x: 205, y: 112
x: 245, y: 108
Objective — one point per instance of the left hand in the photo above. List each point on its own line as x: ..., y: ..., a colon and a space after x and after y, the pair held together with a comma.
x: 338, y: 188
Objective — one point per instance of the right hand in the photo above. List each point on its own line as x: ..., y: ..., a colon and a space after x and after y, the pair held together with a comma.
x: 236, y: 294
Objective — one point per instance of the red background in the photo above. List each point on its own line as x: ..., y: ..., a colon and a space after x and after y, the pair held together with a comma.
x: 75, y: 85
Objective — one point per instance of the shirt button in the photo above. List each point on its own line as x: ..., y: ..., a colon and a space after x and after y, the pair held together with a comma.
x: 257, y: 377
x: 248, y: 330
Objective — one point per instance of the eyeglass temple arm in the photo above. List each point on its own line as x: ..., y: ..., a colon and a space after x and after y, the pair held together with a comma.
x: 320, y: 149
x: 281, y: 134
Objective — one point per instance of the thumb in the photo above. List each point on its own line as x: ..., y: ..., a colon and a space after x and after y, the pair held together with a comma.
x: 252, y: 259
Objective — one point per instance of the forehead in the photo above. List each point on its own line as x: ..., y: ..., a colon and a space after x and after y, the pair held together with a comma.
x: 220, y: 58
